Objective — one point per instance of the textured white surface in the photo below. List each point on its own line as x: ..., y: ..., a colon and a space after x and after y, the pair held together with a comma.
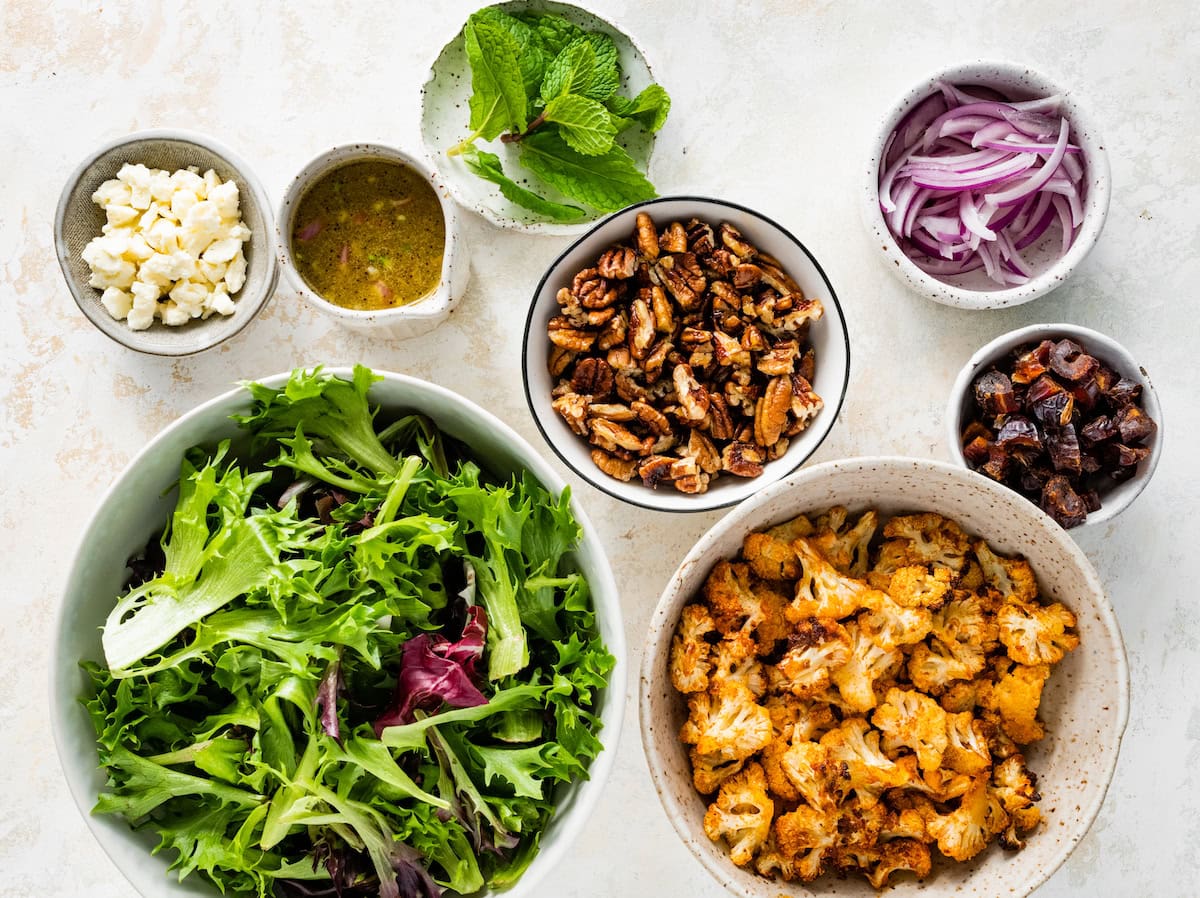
x: 774, y: 105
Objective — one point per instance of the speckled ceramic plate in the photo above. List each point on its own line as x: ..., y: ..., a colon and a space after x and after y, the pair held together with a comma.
x: 444, y: 124
x: 1084, y: 707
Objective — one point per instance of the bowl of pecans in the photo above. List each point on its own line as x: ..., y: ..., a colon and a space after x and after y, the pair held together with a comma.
x: 685, y: 353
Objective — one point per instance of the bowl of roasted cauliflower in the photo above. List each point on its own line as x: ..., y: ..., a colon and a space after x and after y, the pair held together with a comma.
x: 883, y: 673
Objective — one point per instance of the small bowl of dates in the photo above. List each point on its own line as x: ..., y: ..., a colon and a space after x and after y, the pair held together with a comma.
x: 685, y: 353
x: 1061, y: 414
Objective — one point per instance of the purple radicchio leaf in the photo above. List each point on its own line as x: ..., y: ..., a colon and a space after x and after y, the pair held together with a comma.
x: 331, y: 686
x: 434, y: 670
x: 412, y: 879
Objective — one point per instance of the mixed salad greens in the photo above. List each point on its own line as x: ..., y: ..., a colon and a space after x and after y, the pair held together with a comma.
x: 543, y: 83
x: 357, y: 665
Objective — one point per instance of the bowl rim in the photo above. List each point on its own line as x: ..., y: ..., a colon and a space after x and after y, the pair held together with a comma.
x: 584, y: 795
x: 658, y: 635
x: 129, y: 338
x: 1096, y: 203
x: 703, y: 503
x: 431, y: 306
x: 994, y: 349
x: 537, y: 228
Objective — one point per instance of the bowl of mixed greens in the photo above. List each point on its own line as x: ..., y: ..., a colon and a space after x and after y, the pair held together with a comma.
x: 541, y: 117
x: 337, y: 633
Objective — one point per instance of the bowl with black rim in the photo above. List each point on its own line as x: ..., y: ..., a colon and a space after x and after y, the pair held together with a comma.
x: 827, y: 336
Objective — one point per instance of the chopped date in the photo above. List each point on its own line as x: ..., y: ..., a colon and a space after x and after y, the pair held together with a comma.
x: 1057, y: 425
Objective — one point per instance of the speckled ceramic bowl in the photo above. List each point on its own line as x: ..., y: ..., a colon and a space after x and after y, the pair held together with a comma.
x: 402, y: 322
x: 828, y: 337
x: 78, y: 220
x: 141, y: 499
x: 975, y: 290
x: 1085, y: 704
x: 444, y: 124
x: 1118, y: 496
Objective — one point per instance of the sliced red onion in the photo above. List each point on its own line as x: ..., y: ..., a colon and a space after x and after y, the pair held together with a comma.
x: 971, y: 180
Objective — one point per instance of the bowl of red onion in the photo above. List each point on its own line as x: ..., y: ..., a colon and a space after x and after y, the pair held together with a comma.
x: 987, y: 186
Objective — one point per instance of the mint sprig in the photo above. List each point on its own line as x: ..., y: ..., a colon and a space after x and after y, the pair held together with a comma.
x: 540, y: 81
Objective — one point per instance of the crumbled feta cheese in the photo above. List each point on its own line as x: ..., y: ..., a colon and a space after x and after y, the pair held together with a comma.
x: 117, y: 301
x: 171, y: 248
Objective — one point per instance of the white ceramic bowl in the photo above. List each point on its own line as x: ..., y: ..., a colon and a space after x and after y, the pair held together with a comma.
x: 1118, y: 496
x: 828, y: 337
x: 402, y: 322
x: 77, y: 220
x: 975, y: 290
x: 1085, y: 705
x: 444, y: 124
x: 136, y: 506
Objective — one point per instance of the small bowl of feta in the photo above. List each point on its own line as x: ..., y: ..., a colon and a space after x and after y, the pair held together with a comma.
x: 165, y: 239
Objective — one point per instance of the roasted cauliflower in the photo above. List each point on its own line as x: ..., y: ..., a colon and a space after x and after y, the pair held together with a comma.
x: 690, y: 651
x: 858, y: 693
x: 742, y: 814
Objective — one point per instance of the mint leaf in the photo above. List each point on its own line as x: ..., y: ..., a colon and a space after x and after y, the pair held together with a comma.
x: 551, y: 33
x: 649, y: 108
x: 498, y: 102
x: 607, y: 183
x: 607, y: 74
x: 585, y: 125
x: 530, y: 57
x: 572, y: 70
x: 487, y: 166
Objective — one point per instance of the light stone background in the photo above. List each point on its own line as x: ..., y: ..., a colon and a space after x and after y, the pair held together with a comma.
x: 774, y: 105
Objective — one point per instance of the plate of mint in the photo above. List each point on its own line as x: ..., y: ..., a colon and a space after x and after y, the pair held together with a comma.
x: 542, y: 117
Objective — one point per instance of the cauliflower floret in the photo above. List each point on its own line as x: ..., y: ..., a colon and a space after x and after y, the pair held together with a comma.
x: 965, y: 630
x: 1013, y: 577
x: 816, y: 647
x: 940, y: 784
x: 867, y: 770
x: 798, y: 769
x: 733, y: 604
x: 932, y: 539
x: 959, y: 696
x: 790, y: 530
x: 733, y: 660
x: 1036, y: 634
x: 890, y: 625
x: 690, y: 652
x: 908, y: 817
x: 911, y: 720
x: 772, y: 863
x: 901, y: 855
x: 770, y: 558
x: 806, y: 838
x: 1017, y: 790
x: 868, y: 662
x: 965, y: 832
x: 822, y: 591
x: 709, y: 771
x: 801, y: 719
x: 966, y: 748
x: 742, y: 814
x: 932, y: 668
x: 1015, y: 696
x: 846, y: 550
x: 771, y: 626
x: 919, y: 586
x: 726, y: 721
